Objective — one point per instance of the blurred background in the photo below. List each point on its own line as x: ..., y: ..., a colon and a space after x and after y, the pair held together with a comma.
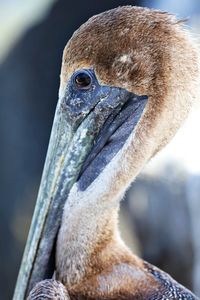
x: 160, y: 217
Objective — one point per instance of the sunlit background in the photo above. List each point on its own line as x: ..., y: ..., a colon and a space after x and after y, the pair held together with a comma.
x: 160, y: 218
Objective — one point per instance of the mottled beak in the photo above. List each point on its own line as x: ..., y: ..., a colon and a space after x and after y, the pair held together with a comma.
x: 87, y: 115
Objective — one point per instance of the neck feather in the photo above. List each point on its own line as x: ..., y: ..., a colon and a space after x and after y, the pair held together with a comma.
x: 88, y: 229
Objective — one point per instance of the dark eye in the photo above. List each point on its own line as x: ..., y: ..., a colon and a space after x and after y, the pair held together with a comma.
x: 83, y: 80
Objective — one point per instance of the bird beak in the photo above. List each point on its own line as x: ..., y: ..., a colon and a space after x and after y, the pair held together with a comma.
x: 72, y: 138
x: 67, y: 150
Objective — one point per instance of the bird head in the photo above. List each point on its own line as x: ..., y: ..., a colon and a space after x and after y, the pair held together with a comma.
x: 145, y: 60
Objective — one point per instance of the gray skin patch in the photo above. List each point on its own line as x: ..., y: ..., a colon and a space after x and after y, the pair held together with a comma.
x: 116, y: 109
x: 125, y: 110
x: 111, y: 139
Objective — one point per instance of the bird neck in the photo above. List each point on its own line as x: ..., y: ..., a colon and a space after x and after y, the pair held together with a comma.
x: 86, y: 240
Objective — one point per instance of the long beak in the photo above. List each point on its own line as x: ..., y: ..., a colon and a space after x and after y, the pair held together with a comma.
x: 71, y: 141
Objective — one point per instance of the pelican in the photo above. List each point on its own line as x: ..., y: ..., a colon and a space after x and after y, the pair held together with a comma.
x: 129, y: 77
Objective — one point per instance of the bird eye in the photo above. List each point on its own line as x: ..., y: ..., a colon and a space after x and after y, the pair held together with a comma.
x: 83, y: 80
